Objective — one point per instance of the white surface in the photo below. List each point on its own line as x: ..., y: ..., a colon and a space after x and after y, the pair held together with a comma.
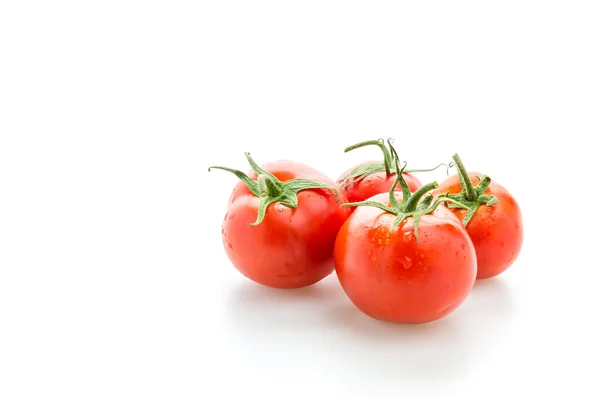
x: 113, y: 280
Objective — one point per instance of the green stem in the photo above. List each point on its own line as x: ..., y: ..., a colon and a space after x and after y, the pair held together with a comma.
x: 267, y: 186
x: 412, y: 203
x: 470, y: 197
x: 270, y: 190
x: 465, y: 180
x: 399, y: 171
x: 255, y: 167
x: 249, y: 182
x: 362, y: 171
x: 387, y: 157
x: 429, y: 169
x: 483, y: 185
x: 370, y: 204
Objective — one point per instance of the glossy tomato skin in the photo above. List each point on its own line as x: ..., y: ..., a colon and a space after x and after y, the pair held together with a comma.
x: 390, y: 276
x: 376, y: 183
x: 496, y: 231
x: 291, y: 248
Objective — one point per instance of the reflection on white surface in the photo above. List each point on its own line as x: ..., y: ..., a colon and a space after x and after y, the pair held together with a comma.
x: 318, y: 329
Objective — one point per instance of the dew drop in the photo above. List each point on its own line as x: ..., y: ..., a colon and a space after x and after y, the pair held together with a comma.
x: 387, y: 240
x: 407, y: 263
x: 380, y: 241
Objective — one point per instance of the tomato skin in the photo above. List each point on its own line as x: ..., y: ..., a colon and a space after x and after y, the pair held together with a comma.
x: 290, y: 248
x: 496, y: 231
x: 375, y: 183
x: 392, y: 277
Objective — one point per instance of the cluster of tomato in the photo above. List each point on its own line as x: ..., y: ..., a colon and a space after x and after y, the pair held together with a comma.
x: 403, y: 252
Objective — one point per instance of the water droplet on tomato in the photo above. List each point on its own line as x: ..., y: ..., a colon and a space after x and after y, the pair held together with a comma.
x: 380, y: 241
x: 387, y: 240
x: 407, y: 263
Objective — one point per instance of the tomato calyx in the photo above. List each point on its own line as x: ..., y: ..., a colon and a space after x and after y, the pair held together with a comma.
x: 390, y: 156
x: 471, y: 197
x: 413, y: 205
x: 271, y: 190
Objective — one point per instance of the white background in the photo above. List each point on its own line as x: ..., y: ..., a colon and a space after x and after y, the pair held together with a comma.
x: 113, y: 280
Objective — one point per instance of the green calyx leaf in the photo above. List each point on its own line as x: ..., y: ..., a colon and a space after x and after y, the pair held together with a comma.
x: 271, y: 190
x: 390, y: 157
x: 470, y: 197
x: 413, y: 205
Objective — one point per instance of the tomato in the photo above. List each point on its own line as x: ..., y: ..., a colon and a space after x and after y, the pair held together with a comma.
x: 373, y: 177
x: 391, y: 274
x: 493, y: 221
x: 281, y: 224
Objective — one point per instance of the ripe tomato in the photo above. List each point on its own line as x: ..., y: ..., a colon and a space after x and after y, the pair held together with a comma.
x: 493, y: 220
x: 297, y: 219
x: 392, y: 275
x: 373, y: 177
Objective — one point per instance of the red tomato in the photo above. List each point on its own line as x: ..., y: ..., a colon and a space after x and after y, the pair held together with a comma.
x: 496, y: 230
x: 391, y: 276
x: 375, y: 183
x: 290, y: 247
